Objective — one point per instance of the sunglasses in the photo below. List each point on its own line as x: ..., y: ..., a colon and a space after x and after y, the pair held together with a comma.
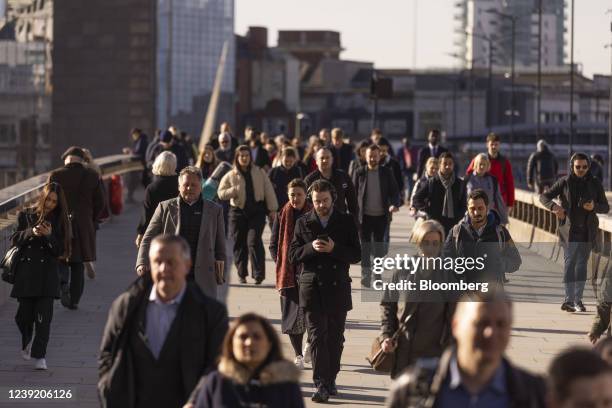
x: 581, y: 167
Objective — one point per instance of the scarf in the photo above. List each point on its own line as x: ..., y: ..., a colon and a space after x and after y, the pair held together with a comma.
x: 407, y: 158
x: 285, y: 270
x: 448, y: 207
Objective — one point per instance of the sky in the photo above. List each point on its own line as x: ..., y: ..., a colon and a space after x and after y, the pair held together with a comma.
x: 382, y: 31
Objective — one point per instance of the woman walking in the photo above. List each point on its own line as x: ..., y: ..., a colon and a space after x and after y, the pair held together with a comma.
x: 43, y: 237
x: 251, y: 196
x: 208, y: 161
x: 251, y: 371
x: 163, y: 187
x: 480, y: 178
x: 293, y: 321
x: 427, y: 317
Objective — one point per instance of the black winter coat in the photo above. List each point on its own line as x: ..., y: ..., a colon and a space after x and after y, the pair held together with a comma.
x: 203, y: 324
x: 429, y: 197
x: 37, y: 270
x: 393, y: 165
x: 595, y: 192
x: 277, y: 386
x: 388, y: 189
x: 161, y: 189
x: 342, y: 156
x: 542, y: 166
x: 325, y: 283
x: 280, y: 178
x: 347, y: 199
x: 85, y: 198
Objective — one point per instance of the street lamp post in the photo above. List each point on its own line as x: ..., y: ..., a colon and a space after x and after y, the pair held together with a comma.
x: 490, y: 75
x: 610, y: 116
x: 512, y: 19
x: 539, y: 99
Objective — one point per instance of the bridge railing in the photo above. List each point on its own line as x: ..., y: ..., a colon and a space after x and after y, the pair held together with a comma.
x: 17, y: 196
x: 533, y: 224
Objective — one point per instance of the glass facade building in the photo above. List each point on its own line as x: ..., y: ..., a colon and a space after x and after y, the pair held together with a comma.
x: 190, y: 37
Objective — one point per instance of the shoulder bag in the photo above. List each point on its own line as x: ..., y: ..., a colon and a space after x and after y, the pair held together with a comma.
x: 378, y: 359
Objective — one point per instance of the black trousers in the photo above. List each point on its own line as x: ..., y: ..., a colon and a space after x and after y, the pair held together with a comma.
x: 72, y: 279
x: 36, y: 312
x: 246, y: 233
x: 373, y: 244
x: 326, y: 336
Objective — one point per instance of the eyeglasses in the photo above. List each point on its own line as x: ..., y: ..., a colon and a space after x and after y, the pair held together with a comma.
x: 581, y: 167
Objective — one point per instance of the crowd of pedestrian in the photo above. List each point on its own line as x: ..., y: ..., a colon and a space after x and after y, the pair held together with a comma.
x: 329, y: 204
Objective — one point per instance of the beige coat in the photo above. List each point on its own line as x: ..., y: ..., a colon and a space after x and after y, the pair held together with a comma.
x: 232, y: 187
x: 211, y: 243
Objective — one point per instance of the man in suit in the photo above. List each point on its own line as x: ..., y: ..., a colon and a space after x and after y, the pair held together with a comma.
x: 378, y: 197
x: 197, y: 220
x: 433, y: 149
x: 162, y: 334
x: 325, y: 241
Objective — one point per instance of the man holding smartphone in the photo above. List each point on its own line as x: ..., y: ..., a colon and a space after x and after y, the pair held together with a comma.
x: 582, y: 198
x: 326, y: 242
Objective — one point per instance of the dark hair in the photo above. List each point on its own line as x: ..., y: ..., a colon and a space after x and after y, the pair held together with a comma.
x: 241, y: 148
x: 289, y: 152
x: 571, y: 365
x: 446, y: 155
x: 374, y: 147
x: 321, y: 186
x: 479, y: 193
x: 361, y: 145
x: 136, y: 130
x: 384, y: 142
x: 376, y: 131
x: 61, y: 211
x: 493, y: 137
x: 597, y: 158
x: 297, y: 183
x: 580, y: 156
x: 276, y: 352
x: 434, y: 131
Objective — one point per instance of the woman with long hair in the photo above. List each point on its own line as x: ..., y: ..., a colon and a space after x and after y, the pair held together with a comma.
x: 251, y: 370
x: 252, y: 197
x: 314, y: 144
x: 359, y: 159
x: 427, y: 317
x: 208, y: 161
x: 293, y: 322
x: 480, y: 178
x: 43, y: 236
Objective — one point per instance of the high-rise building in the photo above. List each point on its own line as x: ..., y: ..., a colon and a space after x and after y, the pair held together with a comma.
x: 483, y: 18
x: 103, y: 73
x: 190, y: 37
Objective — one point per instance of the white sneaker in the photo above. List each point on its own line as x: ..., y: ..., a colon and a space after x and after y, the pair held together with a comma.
x: 91, y: 270
x: 25, y: 353
x: 40, y: 364
x: 306, y: 353
x: 299, y: 362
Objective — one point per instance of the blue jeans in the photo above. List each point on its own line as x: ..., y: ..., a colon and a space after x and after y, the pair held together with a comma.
x: 575, y: 256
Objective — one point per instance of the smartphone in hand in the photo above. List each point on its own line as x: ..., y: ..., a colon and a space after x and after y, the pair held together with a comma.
x: 323, y: 237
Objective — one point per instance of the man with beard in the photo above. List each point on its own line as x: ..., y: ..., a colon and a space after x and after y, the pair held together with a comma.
x: 442, y: 197
x: 325, y: 241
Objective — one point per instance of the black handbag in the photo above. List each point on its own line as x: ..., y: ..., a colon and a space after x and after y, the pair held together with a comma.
x: 9, y: 265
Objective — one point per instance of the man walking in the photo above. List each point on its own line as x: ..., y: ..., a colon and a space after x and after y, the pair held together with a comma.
x: 161, y: 335
x: 85, y: 199
x: 542, y: 168
x: 325, y: 241
x: 442, y: 197
x: 433, y: 149
x: 582, y: 198
x: 346, y: 200
x: 474, y: 373
x: 342, y: 152
x: 378, y: 197
x: 199, y: 222
x: 501, y: 168
x: 481, y: 235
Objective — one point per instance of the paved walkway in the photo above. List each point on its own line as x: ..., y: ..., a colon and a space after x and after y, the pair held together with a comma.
x: 540, y: 329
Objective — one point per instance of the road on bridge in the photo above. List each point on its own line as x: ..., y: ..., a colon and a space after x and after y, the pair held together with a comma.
x: 540, y: 329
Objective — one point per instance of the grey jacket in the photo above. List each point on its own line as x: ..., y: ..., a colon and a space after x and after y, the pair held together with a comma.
x: 211, y: 243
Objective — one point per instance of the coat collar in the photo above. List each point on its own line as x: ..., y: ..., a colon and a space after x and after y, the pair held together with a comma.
x: 281, y: 371
x: 315, y: 225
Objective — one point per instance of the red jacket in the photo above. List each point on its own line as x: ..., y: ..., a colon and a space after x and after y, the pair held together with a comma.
x: 504, y: 177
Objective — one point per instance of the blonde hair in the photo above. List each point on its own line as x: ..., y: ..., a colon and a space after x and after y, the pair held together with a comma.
x: 425, y: 228
x: 482, y: 157
x: 165, y: 164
